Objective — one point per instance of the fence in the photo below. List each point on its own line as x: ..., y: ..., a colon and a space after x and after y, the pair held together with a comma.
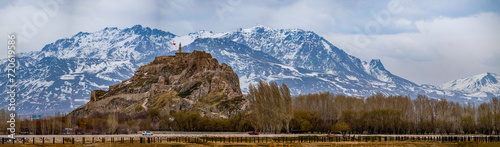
x: 299, y: 139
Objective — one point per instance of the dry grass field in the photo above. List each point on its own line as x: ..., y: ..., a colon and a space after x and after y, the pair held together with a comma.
x: 316, y: 144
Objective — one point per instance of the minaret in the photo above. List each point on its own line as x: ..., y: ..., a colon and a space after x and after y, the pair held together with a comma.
x: 180, y: 48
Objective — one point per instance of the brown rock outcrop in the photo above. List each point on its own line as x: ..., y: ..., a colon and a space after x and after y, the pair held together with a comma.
x: 173, y: 83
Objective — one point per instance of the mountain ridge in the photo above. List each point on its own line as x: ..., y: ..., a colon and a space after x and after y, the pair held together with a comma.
x: 66, y: 71
x: 485, y: 84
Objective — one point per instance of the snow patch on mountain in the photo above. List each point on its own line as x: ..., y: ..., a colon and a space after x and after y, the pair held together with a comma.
x: 481, y: 85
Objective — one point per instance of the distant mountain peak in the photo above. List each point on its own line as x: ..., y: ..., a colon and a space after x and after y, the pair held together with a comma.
x: 490, y: 77
x: 205, y: 34
x: 146, y: 31
x: 79, y: 34
x: 113, y: 28
x: 485, y: 77
x: 488, y: 74
x: 137, y: 26
x: 258, y: 28
x: 261, y: 26
x: 482, y: 83
x: 376, y: 63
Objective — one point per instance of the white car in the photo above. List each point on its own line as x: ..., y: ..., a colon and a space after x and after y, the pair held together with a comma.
x: 145, y: 133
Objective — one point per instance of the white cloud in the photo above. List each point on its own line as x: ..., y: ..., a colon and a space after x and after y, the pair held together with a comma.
x: 443, y: 49
x: 38, y: 23
x: 29, y: 22
x: 427, y: 42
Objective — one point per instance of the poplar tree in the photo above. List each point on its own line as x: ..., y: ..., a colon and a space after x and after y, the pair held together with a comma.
x: 270, y: 106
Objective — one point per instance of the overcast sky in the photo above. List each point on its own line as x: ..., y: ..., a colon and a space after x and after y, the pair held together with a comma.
x: 427, y: 42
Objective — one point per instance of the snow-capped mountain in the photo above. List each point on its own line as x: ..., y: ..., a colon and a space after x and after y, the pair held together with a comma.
x: 61, y: 76
x: 482, y: 85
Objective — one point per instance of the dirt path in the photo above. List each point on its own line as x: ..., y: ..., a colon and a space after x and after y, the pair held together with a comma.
x: 144, y: 104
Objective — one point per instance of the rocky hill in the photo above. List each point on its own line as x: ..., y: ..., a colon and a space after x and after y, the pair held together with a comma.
x: 173, y: 83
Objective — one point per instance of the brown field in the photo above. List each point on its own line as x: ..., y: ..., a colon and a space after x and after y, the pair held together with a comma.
x: 316, y: 144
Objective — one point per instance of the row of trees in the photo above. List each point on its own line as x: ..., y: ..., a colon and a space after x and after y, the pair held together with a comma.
x: 272, y: 109
x: 119, y: 123
x: 50, y: 125
x: 397, y: 114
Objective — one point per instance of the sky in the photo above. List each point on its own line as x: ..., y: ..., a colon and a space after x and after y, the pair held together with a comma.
x: 424, y: 41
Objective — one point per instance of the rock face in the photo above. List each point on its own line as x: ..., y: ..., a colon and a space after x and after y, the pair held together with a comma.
x: 173, y: 83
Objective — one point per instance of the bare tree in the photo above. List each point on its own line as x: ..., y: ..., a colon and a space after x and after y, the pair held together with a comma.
x: 287, y: 107
x: 112, y: 123
x: 271, y: 106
